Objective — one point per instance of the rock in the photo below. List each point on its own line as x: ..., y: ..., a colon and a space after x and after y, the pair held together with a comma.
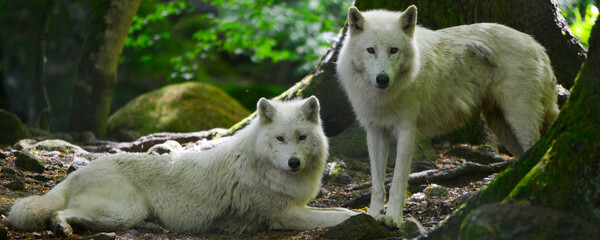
x: 27, y: 162
x: 343, y: 179
x: 72, y: 168
x: 8, y: 171
x: 184, y: 107
x: 333, y: 169
x: 168, y: 147
x: 41, y: 178
x: 11, y: 127
x: 515, y: 221
x: 56, y: 145
x: 411, y: 228
x: 361, y: 226
x: 100, y: 236
x: 434, y: 190
x: 24, y: 143
x: 3, y: 232
x: 16, y: 185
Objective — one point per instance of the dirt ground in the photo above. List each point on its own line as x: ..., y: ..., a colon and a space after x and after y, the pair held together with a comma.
x: 429, y: 209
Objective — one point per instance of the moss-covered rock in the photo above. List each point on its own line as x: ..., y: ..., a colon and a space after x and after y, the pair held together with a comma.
x: 55, y: 145
x: 11, y: 127
x: 184, y: 107
x: 513, y: 221
x: 361, y: 226
x: 27, y: 162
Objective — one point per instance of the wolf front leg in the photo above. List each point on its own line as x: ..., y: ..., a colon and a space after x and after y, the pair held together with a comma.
x: 378, y: 145
x: 406, y: 137
x: 304, y: 218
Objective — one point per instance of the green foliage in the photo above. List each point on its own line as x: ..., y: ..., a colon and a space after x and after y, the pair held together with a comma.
x: 581, y: 16
x: 264, y: 30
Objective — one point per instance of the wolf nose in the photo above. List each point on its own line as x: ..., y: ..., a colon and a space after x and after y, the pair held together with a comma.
x: 382, y: 80
x: 294, y: 163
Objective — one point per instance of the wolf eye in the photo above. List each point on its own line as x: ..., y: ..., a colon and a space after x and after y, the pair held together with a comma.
x: 302, y: 137
x: 280, y: 138
x: 393, y: 50
x: 371, y: 50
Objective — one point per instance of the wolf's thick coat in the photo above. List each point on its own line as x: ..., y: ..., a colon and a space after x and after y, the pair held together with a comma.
x: 405, y: 81
x: 260, y: 178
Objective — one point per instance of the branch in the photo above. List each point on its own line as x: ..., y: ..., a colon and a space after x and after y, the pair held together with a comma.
x: 438, y: 176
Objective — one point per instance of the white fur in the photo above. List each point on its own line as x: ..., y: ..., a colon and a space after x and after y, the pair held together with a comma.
x: 243, y: 184
x: 437, y: 81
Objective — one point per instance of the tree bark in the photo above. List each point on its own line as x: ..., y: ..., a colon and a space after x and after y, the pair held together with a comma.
x: 43, y: 109
x: 562, y: 171
x: 97, y: 68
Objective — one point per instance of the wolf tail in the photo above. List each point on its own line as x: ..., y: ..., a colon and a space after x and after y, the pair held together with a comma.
x: 33, y: 213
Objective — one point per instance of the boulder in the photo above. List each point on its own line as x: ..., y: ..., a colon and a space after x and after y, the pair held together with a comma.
x: 55, y: 145
x: 11, y: 127
x: 185, y: 107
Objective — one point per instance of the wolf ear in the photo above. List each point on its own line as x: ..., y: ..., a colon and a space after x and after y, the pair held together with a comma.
x: 311, y: 109
x: 266, y: 111
x: 356, y: 20
x: 408, y: 20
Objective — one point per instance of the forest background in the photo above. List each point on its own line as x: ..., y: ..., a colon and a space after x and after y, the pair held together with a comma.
x: 248, y: 48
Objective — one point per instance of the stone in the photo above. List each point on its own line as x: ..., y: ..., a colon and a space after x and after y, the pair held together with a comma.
x: 15, y: 186
x: 436, y: 191
x: 11, y: 127
x: 27, y: 162
x: 56, y: 145
x: 361, y: 226
x: 168, y: 147
x: 185, y: 107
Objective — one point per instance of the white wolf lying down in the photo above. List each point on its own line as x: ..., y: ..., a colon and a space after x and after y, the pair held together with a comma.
x: 405, y: 81
x: 260, y: 178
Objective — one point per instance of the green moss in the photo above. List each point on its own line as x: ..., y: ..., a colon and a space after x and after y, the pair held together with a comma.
x: 11, y: 128
x: 184, y: 107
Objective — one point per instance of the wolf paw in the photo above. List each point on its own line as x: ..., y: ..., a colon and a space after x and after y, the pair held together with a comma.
x: 62, y: 230
x: 388, y: 221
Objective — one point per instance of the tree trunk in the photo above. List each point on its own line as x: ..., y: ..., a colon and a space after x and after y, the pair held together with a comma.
x: 43, y: 109
x: 97, y: 68
x: 562, y: 171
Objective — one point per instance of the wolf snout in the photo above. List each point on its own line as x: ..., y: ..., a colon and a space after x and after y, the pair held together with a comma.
x: 294, y: 164
x: 383, y: 80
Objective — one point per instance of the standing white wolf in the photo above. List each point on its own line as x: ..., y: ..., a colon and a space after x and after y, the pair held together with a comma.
x: 407, y: 82
x: 260, y: 178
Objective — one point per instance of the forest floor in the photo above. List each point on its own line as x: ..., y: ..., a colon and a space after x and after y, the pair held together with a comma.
x: 429, y: 209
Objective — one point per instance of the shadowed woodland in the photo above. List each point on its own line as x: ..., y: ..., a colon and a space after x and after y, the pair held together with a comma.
x: 80, y: 80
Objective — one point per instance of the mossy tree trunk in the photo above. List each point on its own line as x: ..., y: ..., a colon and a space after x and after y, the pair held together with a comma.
x: 97, y: 68
x: 540, y: 18
x: 562, y: 171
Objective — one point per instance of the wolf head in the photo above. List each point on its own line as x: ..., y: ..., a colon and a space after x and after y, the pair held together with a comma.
x: 382, y: 45
x: 291, y: 135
